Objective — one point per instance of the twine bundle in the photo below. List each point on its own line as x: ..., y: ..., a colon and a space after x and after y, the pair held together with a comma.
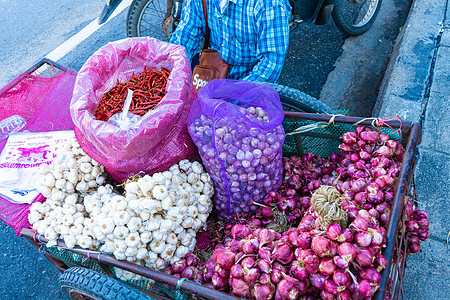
x: 327, y: 204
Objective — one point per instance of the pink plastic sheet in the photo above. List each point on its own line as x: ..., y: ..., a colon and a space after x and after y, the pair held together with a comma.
x: 160, y: 138
x: 44, y: 102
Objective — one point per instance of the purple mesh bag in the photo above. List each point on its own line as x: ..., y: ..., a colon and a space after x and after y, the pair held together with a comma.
x: 237, y: 127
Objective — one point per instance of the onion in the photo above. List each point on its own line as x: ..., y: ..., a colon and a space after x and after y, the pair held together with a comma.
x: 264, y: 266
x: 423, y: 235
x: 283, y: 252
x: 241, y: 231
x: 342, y: 279
x: 347, y: 251
x: 370, y: 137
x: 361, y: 198
x: 349, y: 138
x: 346, y: 236
x: 344, y: 295
x: 412, y: 226
x: 293, y: 234
x: 224, y: 273
x: 307, y: 223
x: 264, y: 278
x: 323, y: 247
x: 236, y: 271
x: 423, y: 223
x: 327, y: 266
x: 419, y: 214
x: 364, y: 257
x: 265, y: 236
x: 224, y: 258
x: 359, y: 224
x: 286, y: 204
x: 340, y: 262
x: 248, y: 262
x: 179, y: 266
x: 359, y: 185
x: 318, y: 280
x: 363, y: 239
x: 264, y: 291
x: 377, y: 236
x: 324, y: 295
x: 311, y: 261
x: 330, y: 286
x: 240, y: 288
x: 371, y: 275
x: 304, y: 240
x: 266, y: 212
x: 291, y: 288
x: 192, y: 259
x: 252, y: 275
x: 190, y: 273
x: 298, y: 270
x: 366, y: 289
x: 334, y: 231
x: 276, y: 276
x: 265, y: 253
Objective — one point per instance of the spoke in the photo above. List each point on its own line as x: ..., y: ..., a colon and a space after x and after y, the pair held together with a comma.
x: 159, y: 9
x: 152, y: 18
x: 359, y: 14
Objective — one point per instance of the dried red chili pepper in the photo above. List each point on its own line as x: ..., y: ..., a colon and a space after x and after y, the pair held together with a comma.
x: 148, y: 90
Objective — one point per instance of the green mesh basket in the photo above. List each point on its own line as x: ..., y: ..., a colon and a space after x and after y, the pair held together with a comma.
x: 70, y: 258
x: 320, y: 138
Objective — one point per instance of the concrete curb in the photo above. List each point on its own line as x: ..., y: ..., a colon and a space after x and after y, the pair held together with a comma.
x: 405, y: 87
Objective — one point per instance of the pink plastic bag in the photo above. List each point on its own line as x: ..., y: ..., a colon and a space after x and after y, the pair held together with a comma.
x: 160, y: 138
x: 43, y: 100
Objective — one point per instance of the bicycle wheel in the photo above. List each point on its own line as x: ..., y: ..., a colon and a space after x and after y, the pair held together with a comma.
x: 355, y: 17
x: 294, y: 100
x: 146, y: 17
x: 82, y: 283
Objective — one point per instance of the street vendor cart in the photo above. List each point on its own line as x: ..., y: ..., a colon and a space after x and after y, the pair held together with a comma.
x: 309, y: 126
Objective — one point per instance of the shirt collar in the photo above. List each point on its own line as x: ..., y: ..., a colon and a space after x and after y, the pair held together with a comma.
x: 223, y: 4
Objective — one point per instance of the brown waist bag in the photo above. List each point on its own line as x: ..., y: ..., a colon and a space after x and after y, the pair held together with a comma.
x: 211, y: 65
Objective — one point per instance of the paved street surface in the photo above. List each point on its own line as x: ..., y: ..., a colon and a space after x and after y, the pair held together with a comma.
x: 417, y: 88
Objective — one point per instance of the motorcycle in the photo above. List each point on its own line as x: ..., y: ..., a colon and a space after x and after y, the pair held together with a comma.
x: 159, y: 18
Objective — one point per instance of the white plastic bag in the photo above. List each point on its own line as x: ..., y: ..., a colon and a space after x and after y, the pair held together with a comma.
x: 20, y: 161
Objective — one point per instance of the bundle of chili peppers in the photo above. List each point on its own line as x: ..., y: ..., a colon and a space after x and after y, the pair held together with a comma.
x: 149, y: 87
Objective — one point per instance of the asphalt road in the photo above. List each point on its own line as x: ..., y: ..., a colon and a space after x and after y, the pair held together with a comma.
x: 32, y: 29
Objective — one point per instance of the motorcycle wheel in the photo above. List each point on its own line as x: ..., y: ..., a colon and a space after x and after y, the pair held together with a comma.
x: 81, y: 283
x: 146, y: 17
x: 355, y: 17
x: 294, y: 100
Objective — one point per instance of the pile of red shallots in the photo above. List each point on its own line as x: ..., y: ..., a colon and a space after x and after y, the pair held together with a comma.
x: 290, y: 249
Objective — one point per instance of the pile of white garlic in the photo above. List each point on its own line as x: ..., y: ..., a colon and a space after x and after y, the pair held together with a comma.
x: 154, y: 224
x: 72, y: 175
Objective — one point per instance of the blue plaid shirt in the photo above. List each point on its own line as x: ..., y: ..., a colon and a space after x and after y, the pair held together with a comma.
x: 252, y: 36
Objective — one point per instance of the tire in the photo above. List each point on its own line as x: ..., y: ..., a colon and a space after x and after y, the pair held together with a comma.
x: 346, y: 15
x: 82, y: 283
x: 294, y: 100
x: 145, y: 18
